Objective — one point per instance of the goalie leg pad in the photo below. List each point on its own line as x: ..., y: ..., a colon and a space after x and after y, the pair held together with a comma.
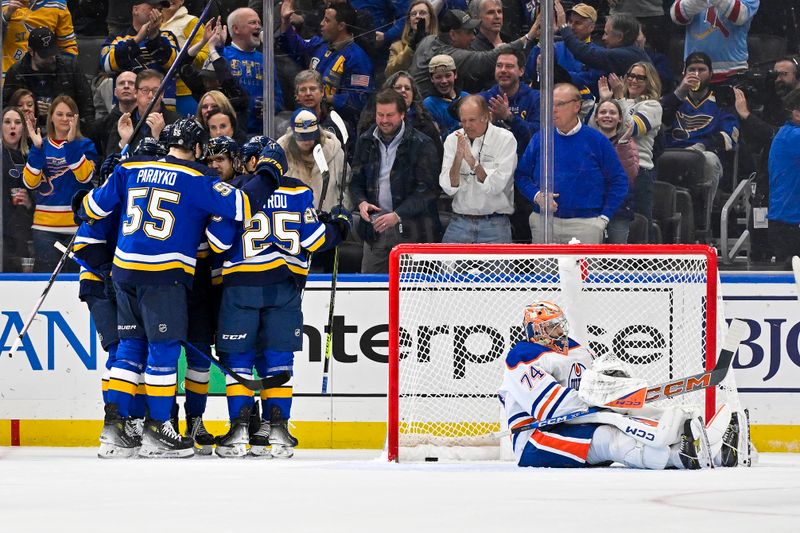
x: 649, y: 432
x: 611, y: 444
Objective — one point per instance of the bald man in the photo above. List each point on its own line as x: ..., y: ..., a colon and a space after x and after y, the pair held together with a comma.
x: 589, y: 184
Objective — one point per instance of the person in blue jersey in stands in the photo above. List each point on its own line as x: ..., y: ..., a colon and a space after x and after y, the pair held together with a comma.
x: 345, y: 68
x: 164, y: 206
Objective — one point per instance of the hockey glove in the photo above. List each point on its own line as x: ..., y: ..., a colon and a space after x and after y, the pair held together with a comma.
x: 342, y: 219
x: 108, y: 166
x: 78, y: 215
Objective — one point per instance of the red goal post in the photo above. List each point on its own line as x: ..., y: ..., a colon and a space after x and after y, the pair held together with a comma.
x: 455, y: 310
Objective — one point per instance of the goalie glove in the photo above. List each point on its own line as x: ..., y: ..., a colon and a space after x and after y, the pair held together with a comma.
x: 604, y: 385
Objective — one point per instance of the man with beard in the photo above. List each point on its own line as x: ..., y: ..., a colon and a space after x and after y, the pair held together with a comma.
x: 694, y: 120
x: 394, y: 184
x: 47, y: 73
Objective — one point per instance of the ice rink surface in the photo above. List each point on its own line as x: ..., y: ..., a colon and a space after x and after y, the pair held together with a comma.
x: 69, y: 489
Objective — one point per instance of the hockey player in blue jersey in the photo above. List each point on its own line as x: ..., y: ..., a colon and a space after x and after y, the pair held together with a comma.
x: 261, y: 321
x: 549, y: 374
x: 164, y: 207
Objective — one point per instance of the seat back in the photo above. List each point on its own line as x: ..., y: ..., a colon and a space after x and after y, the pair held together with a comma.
x: 637, y: 233
x: 682, y: 168
x: 763, y: 48
x: 89, y: 55
x: 665, y: 211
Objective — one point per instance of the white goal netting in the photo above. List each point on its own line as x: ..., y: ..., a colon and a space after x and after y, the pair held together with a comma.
x: 458, y: 310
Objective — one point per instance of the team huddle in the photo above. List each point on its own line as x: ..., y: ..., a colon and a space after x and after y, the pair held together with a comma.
x: 173, y: 257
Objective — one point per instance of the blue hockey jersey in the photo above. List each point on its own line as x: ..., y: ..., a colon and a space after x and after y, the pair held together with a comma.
x: 346, y: 73
x: 277, y: 242
x: 165, y: 205
x: 703, y: 122
x: 719, y: 29
x: 248, y: 69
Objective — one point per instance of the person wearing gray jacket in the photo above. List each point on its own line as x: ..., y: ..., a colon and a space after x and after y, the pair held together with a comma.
x: 456, y: 33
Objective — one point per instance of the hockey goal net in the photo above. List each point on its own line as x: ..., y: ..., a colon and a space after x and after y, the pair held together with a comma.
x: 456, y: 310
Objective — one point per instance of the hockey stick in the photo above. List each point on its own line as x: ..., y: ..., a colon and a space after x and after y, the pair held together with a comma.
x: 337, y: 120
x: 40, y: 301
x: 168, y: 76
x: 64, y: 250
x: 319, y: 159
x: 711, y: 378
x: 253, y: 384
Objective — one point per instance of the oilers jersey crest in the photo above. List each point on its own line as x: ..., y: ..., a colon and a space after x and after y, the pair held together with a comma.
x: 164, y: 207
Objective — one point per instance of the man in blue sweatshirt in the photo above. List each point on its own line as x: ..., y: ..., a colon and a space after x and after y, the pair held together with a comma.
x: 589, y: 183
x: 784, y: 183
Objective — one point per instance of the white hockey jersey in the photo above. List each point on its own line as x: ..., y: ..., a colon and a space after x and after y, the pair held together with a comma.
x: 539, y: 384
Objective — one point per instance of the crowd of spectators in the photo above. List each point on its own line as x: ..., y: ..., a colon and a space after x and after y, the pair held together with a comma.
x: 440, y: 102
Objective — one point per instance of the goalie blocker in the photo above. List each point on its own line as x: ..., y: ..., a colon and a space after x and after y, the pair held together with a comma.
x: 540, y: 373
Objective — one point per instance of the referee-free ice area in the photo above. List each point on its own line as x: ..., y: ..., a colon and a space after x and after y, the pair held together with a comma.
x: 69, y: 489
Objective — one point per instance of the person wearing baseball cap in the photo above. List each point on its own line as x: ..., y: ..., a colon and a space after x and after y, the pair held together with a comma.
x: 696, y: 121
x: 581, y: 19
x: 475, y: 68
x: 619, y: 36
x: 47, y: 72
x: 21, y: 17
x: 443, y: 76
x: 299, y: 142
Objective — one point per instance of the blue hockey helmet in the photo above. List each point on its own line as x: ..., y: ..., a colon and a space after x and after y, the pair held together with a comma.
x: 222, y: 145
x: 254, y: 146
x: 186, y: 133
x: 150, y: 146
x: 272, y: 160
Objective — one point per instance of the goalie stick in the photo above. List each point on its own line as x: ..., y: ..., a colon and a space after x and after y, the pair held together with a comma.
x: 253, y: 384
x: 676, y: 387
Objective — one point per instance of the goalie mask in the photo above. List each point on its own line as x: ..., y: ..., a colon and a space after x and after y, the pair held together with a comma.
x: 544, y: 323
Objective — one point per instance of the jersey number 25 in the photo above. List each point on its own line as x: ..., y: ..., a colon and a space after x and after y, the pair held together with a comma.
x: 257, y: 233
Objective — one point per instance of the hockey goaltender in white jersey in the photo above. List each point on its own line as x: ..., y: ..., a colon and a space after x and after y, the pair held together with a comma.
x: 542, y: 380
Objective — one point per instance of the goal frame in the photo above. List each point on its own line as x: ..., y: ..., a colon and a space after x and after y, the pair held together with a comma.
x: 393, y: 389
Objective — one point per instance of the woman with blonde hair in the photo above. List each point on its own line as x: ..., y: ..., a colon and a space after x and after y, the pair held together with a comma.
x: 60, y: 163
x: 637, y: 96
x: 17, y: 204
x: 420, y: 22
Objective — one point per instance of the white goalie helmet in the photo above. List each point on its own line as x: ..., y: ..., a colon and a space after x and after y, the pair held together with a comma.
x: 544, y: 323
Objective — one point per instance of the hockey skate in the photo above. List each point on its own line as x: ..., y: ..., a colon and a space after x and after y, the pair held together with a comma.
x: 203, y: 440
x: 134, y: 428
x: 161, y: 440
x: 282, y: 442
x: 115, y: 441
x: 694, y: 451
x: 729, y: 453
x: 234, y: 442
x: 259, y: 439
